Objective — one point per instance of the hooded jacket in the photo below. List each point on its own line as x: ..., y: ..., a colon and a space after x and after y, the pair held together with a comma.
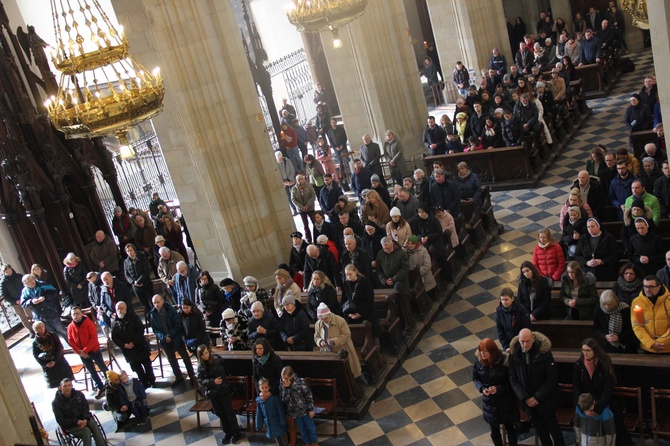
x: 550, y: 260
x: 587, y: 297
x: 538, y: 379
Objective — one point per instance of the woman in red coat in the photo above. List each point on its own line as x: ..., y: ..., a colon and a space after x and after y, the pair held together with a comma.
x: 548, y: 256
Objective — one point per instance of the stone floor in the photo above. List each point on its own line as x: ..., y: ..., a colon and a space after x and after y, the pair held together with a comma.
x: 431, y: 399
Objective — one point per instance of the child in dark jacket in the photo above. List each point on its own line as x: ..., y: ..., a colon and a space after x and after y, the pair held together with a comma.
x: 593, y: 429
x: 270, y: 412
x: 299, y: 404
x: 133, y: 397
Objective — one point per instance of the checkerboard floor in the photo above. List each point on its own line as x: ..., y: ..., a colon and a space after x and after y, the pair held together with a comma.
x: 431, y: 399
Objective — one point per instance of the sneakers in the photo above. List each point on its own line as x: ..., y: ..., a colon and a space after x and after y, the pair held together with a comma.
x: 100, y: 394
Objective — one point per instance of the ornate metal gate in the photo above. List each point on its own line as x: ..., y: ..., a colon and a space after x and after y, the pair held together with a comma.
x: 293, y: 71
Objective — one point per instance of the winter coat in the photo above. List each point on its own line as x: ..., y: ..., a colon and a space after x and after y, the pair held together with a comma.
x: 627, y: 340
x: 510, y: 322
x: 550, y: 260
x: 112, y: 396
x: 538, y: 307
x: 620, y: 191
x: 316, y: 295
x: 587, y: 297
x: 211, y: 303
x: 49, y: 309
x: 297, y: 397
x: 596, y: 197
x: 606, y: 250
x: 167, y: 269
x: 500, y: 407
x: 139, y: 271
x: 662, y: 192
x: 287, y: 171
x: 75, y: 277
x: 469, y: 187
x: 105, y: 252
x: 528, y: 114
x: 600, y: 385
x: 271, y: 413
x: 657, y: 326
x: 638, y: 118
x: 512, y: 131
x: 361, y: 180
x: 379, y: 208
x: 393, y: 149
x: 393, y: 266
x: 628, y: 229
x: 124, y: 228
x: 361, y: 294
x: 328, y: 197
x: 193, y: 327
x: 598, y: 430
x: 47, y: 349
x: 138, y: 389
x: 109, y: 299
x: 184, y: 286
x: 83, y: 336
x: 237, y: 330
x: 270, y: 370
x: 249, y: 297
x: 297, y: 257
x: 538, y: 379
x: 128, y: 330
x: 68, y: 411
x: 173, y: 325
x: 296, y: 325
x: 361, y: 259
x: 420, y: 259
x: 271, y: 325
x: 207, y: 373
x: 447, y: 195
x: 652, y: 246
x: 399, y: 234
x: 325, y: 263
x: 649, y: 201
x: 11, y: 287
x: 340, y: 334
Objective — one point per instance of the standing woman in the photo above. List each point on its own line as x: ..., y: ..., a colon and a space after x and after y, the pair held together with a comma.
x: 519, y: 30
x: 491, y: 377
x: 48, y: 352
x: 137, y: 270
x: 209, y: 300
x: 533, y: 292
x: 212, y: 379
x: 324, y: 155
x: 358, y: 299
x: 612, y: 324
x: 75, y: 277
x: 266, y: 364
x: 548, y: 256
x: 579, y: 293
x: 593, y: 373
x: 171, y: 230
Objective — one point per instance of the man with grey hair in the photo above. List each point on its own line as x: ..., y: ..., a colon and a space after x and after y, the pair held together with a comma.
x: 167, y: 267
x: 591, y: 192
x: 445, y: 193
x: 371, y: 157
x: 354, y: 254
x: 303, y: 197
x: 651, y: 150
x: 649, y: 173
x: 185, y: 282
x: 392, y: 267
x: 321, y: 259
x: 104, y: 254
x: 264, y: 324
x: 128, y: 335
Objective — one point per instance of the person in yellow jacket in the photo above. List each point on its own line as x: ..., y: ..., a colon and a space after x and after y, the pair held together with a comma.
x: 654, y: 333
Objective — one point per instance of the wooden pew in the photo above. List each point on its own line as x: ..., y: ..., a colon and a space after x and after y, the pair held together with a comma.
x: 591, y: 76
x: 640, y: 139
x: 565, y: 334
x: 312, y: 364
x: 369, y: 353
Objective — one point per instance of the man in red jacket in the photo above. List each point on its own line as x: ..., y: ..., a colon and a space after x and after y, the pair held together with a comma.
x: 82, y: 336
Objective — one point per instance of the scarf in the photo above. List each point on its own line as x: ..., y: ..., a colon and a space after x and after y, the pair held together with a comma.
x: 591, y: 366
x: 263, y: 359
x: 629, y: 287
x: 548, y: 243
x: 490, y: 130
x: 318, y: 226
x: 616, y: 322
x: 571, y: 47
x: 297, y: 247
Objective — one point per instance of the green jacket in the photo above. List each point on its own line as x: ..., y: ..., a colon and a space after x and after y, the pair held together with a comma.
x: 650, y: 201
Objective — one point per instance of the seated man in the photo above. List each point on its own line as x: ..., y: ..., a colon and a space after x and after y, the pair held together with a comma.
x: 73, y: 416
x: 653, y: 332
x: 592, y: 192
x: 527, y: 113
x: 648, y: 199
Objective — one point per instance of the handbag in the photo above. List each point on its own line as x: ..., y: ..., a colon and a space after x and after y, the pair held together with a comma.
x: 349, y: 307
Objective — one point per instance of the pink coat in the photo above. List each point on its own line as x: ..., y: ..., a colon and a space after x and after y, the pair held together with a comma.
x: 549, y: 261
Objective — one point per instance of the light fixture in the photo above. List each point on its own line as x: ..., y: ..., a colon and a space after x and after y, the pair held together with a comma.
x: 125, y: 149
x: 315, y: 16
x: 637, y: 9
x: 102, y: 90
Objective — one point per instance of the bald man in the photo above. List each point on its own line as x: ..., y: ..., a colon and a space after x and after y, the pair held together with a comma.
x: 592, y: 192
x: 534, y: 379
x: 105, y: 254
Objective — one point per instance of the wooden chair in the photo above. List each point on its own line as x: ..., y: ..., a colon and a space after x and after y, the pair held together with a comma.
x: 660, y: 424
x: 632, y: 420
x: 201, y: 404
x: 155, y: 354
x: 324, y: 391
x: 566, y: 414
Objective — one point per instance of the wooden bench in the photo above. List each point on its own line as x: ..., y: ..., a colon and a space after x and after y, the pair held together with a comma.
x: 369, y: 354
x: 564, y: 333
x: 640, y: 139
x: 305, y: 364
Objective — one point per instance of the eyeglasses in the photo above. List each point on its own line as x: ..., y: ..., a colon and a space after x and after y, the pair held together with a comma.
x: 650, y: 286
x: 587, y: 350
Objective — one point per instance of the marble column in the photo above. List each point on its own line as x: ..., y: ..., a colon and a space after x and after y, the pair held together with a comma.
x: 212, y: 134
x: 376, y: 77
x: 659, y: 21
x: 14, y: 404
x: 468, y: 31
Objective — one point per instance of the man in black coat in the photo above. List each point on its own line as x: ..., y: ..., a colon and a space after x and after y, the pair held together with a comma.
x: 361, y: 179
x: 429, y: 230
x: 512, y: 131
x: 434, y: 137
x: 371, y: 157
x: 320, y: 260
x: 357, y: 256
x: 445, y: 193
x: 534, y: 379
x: 73, y: 415
x: 596, y: 197
x: 128, y: 335
x: 392, y: 267
x: 112, y: 292
x: 328, y: 196
x: 298, y: 252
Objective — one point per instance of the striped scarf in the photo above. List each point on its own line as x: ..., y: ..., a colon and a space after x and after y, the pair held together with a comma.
x: 615, y: 322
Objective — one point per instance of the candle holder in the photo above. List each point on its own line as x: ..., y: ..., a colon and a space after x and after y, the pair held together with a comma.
x: 637, y: 324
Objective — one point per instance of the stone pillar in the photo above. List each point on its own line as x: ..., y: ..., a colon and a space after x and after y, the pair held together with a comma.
x: 468, y: 31
x: 659, y: 21
x: 213, y: 134
x: 376, y: 77
x: 14, y: 404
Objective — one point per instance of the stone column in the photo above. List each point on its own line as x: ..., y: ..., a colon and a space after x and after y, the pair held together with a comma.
x: 376, y: 77
x: 468, y: 31
x: 213, y: 134
x: 659, y: 21
x: 14, y: 404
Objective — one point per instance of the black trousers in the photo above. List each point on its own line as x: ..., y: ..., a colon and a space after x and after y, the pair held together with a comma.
x: 223, y: 408
x: 547, y: 427
x: 144, y: 371
x: 170, y: 350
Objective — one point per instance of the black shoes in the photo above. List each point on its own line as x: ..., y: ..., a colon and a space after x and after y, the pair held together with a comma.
x: 237, y: 437
x: 226, y: 439
x: 32, y: 335
x: 176, y: 382
x: 100, y: 394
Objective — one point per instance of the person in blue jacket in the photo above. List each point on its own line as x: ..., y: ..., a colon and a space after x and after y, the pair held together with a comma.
x: 271, y: 413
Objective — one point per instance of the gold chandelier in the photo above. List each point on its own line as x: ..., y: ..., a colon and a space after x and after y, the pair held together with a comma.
x: 315, y: 16
x: 102, y: 90
x: 637, y: 9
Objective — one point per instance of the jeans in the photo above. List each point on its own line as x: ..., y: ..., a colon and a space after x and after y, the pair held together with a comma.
x: 55, y: 325
x: 90, y: 366
x: 294, y: 155
x: 85, y: 433
x: 307, y: 429
x: 170, y: 349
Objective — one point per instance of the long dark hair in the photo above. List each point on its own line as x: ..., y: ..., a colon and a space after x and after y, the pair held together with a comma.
x: 267, y: 348
x: 601, y: 355
x: 205, y: 273
x: 536, y: 280
x: 198, y: 354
